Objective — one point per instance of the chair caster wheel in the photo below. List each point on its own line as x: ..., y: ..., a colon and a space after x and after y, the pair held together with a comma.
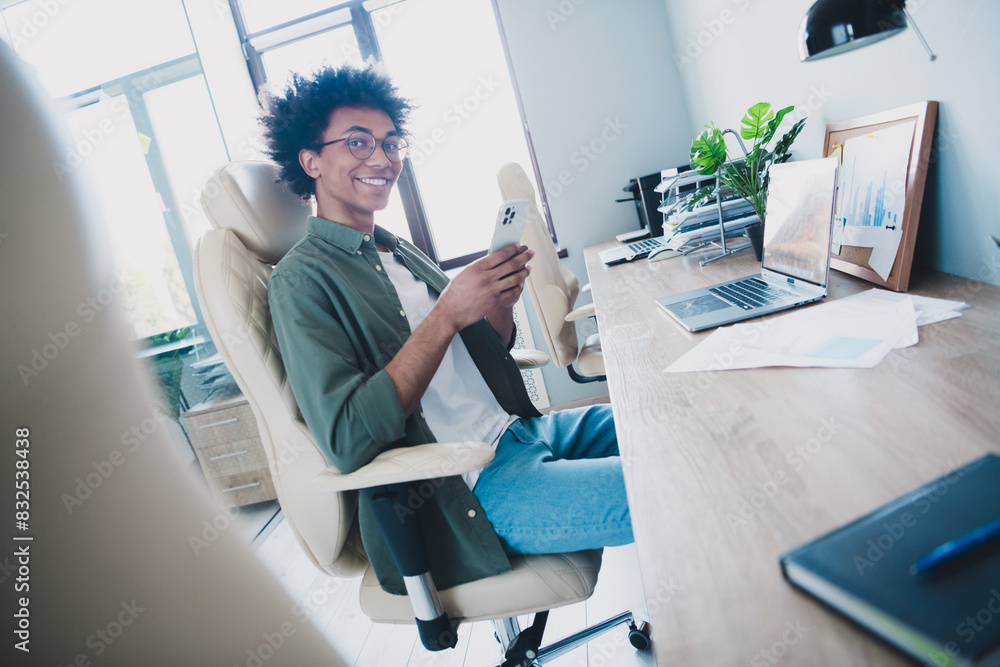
x: 638, y: 636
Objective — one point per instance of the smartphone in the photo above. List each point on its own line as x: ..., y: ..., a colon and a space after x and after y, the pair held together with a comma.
x: 510, y: 223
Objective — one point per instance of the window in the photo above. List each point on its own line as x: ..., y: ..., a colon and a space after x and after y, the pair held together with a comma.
x: 77, y: 46
x: 466, y: 126
x: 106, y: 138
x: 142, y: 126
x: 143, y: 123
x: 283, y: 51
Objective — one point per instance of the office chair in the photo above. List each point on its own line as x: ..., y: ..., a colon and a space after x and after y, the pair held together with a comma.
x: 553, y: 287
x: 106, y: 526
x: 256, y: 221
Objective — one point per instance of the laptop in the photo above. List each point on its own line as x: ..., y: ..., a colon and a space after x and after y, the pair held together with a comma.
x: 632, y: 251
x: 795, y: 269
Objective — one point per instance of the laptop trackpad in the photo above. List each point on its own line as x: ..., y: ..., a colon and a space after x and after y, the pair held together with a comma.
x: 699, y: 305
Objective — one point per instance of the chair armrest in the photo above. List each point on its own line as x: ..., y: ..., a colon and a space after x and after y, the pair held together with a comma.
x: 409, y: 464
x: 529, y: 358
x: 581, y: 312
x: 585, y: 288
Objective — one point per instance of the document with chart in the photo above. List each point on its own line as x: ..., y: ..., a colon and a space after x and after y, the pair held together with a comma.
x: 872, y: 194
x: 855, y: 331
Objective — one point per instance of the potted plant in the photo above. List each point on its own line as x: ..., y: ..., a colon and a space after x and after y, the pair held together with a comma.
x: 747, y: 176
x: 168, y: 367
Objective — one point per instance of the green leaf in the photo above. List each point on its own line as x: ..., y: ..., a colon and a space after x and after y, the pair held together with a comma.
x: 755, y: 120
x: 741, y: 178
x: 708, y: 151
x: 748, y: 176
x: 698, y: 196
x: 785, y: 143
x: 773, y: 124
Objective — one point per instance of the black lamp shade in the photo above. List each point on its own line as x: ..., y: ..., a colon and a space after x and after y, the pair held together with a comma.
x: 835, y: 26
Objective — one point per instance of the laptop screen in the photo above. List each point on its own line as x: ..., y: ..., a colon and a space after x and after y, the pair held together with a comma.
x: 799, y: 219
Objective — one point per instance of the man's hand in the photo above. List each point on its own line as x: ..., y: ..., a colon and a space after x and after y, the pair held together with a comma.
x: 489, y: 287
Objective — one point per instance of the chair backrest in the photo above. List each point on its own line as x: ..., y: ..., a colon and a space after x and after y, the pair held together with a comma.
x: 72, y: 386
x: 553, y: 287
x: 257, y: 220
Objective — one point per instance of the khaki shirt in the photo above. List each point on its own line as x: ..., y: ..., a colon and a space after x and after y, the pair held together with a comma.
x: 338, y: 322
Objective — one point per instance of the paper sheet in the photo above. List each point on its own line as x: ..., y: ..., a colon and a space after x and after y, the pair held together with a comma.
x: 853, y: 332
x: 929, y: 310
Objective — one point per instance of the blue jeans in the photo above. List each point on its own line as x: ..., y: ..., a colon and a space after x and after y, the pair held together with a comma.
x: 556, y: 484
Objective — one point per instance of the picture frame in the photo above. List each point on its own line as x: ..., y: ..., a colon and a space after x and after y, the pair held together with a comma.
x: 854, y: 259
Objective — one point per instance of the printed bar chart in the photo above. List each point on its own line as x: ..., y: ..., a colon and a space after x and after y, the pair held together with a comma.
x: 868, y: 213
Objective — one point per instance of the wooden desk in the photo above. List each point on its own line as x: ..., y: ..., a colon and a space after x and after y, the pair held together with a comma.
x: 726, y: 471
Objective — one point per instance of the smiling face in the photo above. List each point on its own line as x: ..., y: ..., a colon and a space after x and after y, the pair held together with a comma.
x: 349, y: 190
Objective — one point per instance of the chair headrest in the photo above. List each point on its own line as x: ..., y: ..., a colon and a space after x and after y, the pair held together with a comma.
x: 515, y: 183
x: 247, y: 198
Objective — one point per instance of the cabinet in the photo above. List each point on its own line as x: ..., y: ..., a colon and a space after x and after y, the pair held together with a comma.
x: 226, y: 440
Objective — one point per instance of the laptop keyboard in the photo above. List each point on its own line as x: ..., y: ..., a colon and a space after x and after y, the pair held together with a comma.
x: 751, y: 293
x: 640, y: 249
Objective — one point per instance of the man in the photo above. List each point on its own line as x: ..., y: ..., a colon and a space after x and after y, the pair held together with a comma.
x: 367, y: 329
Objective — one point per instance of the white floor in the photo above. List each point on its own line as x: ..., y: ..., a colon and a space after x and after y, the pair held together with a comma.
x: 332, y: 605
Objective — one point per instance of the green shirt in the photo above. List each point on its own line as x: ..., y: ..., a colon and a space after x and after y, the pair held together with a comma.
x: 339, y: 321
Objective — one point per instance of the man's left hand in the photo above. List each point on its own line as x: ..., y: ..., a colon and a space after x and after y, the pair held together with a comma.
x: 501, y: 316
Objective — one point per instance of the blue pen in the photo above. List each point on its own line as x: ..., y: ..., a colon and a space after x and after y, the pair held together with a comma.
x: 956, y: 547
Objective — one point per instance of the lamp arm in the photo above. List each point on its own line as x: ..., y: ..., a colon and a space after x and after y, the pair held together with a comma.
x: 920, y: 36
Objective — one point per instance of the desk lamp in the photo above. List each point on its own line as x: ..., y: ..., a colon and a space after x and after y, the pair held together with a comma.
x: 831, y: 27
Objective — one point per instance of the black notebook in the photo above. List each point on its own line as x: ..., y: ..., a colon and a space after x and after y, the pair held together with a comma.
x: 947, y: 616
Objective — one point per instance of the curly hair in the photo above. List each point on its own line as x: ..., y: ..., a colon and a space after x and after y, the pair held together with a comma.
x: 296, y: 116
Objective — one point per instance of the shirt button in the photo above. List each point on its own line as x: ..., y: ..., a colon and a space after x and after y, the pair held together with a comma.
x: 421, y: 414
x: 367, y: 238
x: 472, y: 514
x: 378, y: 268
x: 359, y: 252
x: 402, y: 313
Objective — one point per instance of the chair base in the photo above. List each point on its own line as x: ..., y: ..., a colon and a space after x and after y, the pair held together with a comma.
x: 522, y: 647
x: 582, y: 379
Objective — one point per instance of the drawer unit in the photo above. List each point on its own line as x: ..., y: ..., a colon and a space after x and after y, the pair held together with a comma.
x: 225, y: 438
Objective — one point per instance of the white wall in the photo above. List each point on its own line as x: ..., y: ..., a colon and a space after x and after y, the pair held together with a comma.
x: 667, y: 67
x: 601, y: 95
x: 733, y: 53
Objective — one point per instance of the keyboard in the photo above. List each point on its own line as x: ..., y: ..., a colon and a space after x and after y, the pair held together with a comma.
x: 632, y: 251
x: 641, y: 249
x: 751, y: 293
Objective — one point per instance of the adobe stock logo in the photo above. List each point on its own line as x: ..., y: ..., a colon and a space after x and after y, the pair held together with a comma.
x: 586, y: 154
x: 749, y: 507
x: 30, y: 27
x: 454, y: 117
x: 566, y: 9
x: 58, y: 341
x: 792, y: 634
x: 896, y: 528
x: 696, y: 45
x: 877, y: 547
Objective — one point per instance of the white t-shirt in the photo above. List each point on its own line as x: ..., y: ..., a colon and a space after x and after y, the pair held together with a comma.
x: 458, y: 404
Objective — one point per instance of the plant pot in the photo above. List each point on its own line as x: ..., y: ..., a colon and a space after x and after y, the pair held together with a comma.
x: 755, y: 232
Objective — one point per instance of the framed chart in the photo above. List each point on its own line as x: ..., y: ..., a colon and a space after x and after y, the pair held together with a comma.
x: 883, y: 168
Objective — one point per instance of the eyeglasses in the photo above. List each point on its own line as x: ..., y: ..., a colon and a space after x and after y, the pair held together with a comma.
x: 362, y: 145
